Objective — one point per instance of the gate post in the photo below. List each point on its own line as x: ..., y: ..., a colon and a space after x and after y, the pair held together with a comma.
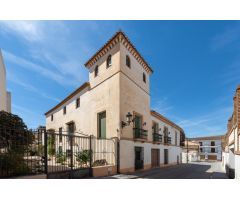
x: 45, y: 152
x: 90, y: 162
x: 118, y: 156
x: 71, y: 158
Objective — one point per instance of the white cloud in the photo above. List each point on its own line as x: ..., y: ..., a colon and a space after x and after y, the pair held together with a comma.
x: 29, y: 30
x: 162, y: 106
x: 230, y: 35
x: 30, y: 87
x: 213, y: 123
x: 44, y: 71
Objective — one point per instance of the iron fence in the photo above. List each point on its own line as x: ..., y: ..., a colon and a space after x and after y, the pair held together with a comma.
x: 57, y: 154
x: 74, y: 155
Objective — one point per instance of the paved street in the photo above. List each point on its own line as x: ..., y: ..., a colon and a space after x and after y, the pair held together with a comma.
x: 197, y: 170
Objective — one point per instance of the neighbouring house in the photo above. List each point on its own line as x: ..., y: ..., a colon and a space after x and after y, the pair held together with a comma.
x: 190, y: 151
x: 115, y: 103
x: 5, y: 96
x: 231, y: 150
x: 210, y: 147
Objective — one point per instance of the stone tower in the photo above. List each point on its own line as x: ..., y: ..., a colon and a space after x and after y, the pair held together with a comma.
x: 5, y: 97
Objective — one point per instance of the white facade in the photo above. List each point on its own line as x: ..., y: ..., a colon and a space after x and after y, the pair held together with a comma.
x: 210, y: 147
x: 5, y: 97
x: 231, y: 151
x: 116, y: 90
x: 127, y: 154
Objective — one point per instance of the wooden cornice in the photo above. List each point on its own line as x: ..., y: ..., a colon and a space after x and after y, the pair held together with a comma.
x: 166, y: 120
x: 119, y: 37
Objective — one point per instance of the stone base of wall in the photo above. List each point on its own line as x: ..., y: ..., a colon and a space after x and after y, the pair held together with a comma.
x: 108, y: 170
x: 167, y: 165
x: 39, y: 176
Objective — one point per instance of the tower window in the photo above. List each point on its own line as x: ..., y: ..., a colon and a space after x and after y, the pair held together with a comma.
x: 128, y: 61
x: 144, y: 77
x: 109, y: 61
x: 77, y: 102
x: 51, y: 117
x: 64, y: 110
x: 96, y: 71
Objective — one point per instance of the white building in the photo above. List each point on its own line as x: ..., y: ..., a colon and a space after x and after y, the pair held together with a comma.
x: 190, y: 151
x: 231, y: 151
x: 210, y: 147
x: 5, y: 97
x: 116, y: 103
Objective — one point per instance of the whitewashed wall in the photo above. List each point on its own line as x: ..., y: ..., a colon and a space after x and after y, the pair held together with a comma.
x: 127, y: 153
x: 237, y: 166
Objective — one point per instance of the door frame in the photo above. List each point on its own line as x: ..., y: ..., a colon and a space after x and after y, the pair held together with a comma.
x: 141, y: 161
x: 166, y: 156
x: 158, y: 157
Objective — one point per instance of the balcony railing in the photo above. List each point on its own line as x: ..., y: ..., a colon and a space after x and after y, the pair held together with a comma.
x: 167, y: 140
x: 140, y: 133
x: 157, y: 137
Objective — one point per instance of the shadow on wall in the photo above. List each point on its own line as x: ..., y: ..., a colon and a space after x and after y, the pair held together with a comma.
x: 230, y: 172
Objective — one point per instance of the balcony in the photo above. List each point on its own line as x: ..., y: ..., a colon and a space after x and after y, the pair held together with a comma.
x: 157, y: 137
x: 167, y: 140
x: 140, y: 133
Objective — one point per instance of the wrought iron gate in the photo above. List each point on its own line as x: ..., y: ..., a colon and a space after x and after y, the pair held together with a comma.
x: 67, y: 155
x: 56, y: 154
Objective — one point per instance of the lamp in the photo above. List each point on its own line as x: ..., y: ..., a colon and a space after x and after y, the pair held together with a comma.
x: 129, y: 118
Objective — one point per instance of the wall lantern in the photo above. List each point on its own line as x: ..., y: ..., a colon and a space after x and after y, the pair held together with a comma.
x: 129, y: 119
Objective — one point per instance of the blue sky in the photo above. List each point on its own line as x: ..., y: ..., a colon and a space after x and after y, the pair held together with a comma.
x: 196, y: 66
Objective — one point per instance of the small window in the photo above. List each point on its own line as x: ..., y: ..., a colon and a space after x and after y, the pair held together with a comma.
x: 102, y: 125
x: 77, y: 102
x: 200, y: 143
x: 109, y: 61
x: 51, y: 117
x: 60, y: 134
x: 212, y: 143
x: 96, y: 71
x: 144, y: 77
x: 128, y: 61
x: 212, y: 150
x: 201, y: 150
x: 64, y: 110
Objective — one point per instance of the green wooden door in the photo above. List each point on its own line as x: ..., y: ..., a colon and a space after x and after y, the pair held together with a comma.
x: 137, y: 126
x: 102, y: 124
x: 138, y: 122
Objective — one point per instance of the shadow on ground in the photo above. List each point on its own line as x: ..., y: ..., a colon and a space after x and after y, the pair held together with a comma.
x: 183, y: 171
